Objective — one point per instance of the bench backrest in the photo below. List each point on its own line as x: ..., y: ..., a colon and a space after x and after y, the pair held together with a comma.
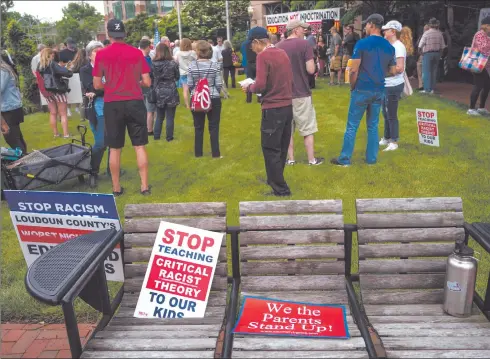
x: 292, y: 246
x: 141, y: 226
x: 403, y: 247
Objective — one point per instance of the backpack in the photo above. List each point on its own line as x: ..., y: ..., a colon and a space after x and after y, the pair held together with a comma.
x: 235, y: 59
x: 201, y: 99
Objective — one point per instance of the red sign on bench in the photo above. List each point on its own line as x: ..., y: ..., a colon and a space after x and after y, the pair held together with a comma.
x: 263, y: 316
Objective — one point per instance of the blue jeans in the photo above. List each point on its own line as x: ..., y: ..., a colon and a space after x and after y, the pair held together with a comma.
x: 362, y: 101
x: 430, y: 64
x: 169, y: 112
x: 99, y: 147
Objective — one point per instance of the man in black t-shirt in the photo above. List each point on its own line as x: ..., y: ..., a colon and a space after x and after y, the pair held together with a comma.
x: 350, y: 39
x: 69, y: 53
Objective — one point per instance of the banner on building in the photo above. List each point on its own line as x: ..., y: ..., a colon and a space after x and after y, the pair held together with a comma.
x: 264, y: 316
x: 44, y: 219
x: 180, y: 273
x: 427, y: 127
x: 277, y: 23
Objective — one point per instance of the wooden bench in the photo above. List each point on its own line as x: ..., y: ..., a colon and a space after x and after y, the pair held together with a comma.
x: 403, y: 247
x: 129, y: 337
x: 294, y: 250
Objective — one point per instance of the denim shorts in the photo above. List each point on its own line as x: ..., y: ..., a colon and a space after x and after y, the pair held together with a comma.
x: 183, y: 80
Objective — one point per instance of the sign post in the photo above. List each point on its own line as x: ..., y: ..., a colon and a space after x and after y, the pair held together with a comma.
x: 427, y: 127
x: 45, y: 219
x: 264, y: 316
x: 180, y: 273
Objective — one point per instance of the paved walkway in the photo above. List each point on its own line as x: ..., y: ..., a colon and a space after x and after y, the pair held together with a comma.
x: 39, y: 340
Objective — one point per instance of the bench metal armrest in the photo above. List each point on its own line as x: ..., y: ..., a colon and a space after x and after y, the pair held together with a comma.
x: 71, y: 269
x: 480, y: 232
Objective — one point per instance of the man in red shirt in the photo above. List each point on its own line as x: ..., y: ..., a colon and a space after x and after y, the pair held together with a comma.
x: 274, y: 81
x: 125, y: 70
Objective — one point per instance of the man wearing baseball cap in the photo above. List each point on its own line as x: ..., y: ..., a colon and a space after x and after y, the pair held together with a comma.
x: 373, y: 58
x: 125, y: 70
x: 69, y: 53
x: 300, y: 53
x: 274, y: 80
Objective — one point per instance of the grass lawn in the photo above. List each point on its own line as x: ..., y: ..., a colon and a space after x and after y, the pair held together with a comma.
x: 460, y: 167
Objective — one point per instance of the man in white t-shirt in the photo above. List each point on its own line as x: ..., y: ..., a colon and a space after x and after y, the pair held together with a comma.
x: 218, y: 58
x: 394, y: 86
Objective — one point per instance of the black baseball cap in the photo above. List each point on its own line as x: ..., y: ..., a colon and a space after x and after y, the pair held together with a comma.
x: 376, y: 19
x: 115, y: 28
x: 70, y: 41
x: 486, y: 21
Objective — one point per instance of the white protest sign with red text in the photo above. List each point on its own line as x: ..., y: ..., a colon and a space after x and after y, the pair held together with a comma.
x: 180, y: 273
x: 427, y: 127
x: 44, y: 219
x: 263, y: 316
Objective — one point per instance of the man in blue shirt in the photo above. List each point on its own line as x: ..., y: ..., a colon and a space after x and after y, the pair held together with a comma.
x: 373, y: 59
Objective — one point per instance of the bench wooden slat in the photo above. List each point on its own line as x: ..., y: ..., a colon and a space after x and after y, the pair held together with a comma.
x: 148, y: 354
x: 175, y: 209
x: 293, y: 283
x: 160, y: 327
x: 438, y: 354
x: 156, y: 334
x: 409, y: 204
x: 420, y: 343
x: 406, y: 250
x: 124, y: 322
x: 300, y: 354
x: 434, y: 333
x: 377, y: 319
x: 402, y: 265
x: 150, y: 225
x: 435, y: 326
x: 291, y: 252
x: 143, y: 255
x: 311, y: 221
x: 138, y: 270
x: 150, y: 344
x: 408, y: 309
x: 216, y: 299
x: 402, y: 281
x: 410, y: 235
x: 430, y: 296
x: 309, y: 344
x: 302, y: 267
x: 146, y: 240
x: 216, y: 312
x: 134, y: 284
x: 283, y: 207
x: 316, y: 297
x: 292, y: 237
x: 410, y: 220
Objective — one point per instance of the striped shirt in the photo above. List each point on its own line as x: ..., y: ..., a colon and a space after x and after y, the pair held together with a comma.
x: 432, y: 41
x: 208, y: 69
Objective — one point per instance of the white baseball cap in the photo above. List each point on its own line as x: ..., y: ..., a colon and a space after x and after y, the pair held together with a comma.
x: 393, y: 24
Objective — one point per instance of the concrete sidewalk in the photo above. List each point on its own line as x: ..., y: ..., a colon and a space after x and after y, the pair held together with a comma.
x: 455, y: 91
x: 39, y: 340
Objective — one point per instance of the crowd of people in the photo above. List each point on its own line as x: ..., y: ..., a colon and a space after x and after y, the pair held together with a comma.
x: 136, y: 89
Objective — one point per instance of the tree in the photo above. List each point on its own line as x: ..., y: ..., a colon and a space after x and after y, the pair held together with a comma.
x: 22, y: 49
x: 206, y: 17
x: 136, y: 28
x: 80, y: 21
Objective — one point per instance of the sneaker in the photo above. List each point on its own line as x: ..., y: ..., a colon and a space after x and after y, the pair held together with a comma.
x: 317, y: 161
x: 335, y: 161
x: 391, y: 147
x: 473, y: 112
x: 290, y: 163
x: 68, y: 112
x: 483, y: 111
x: 383, y: 142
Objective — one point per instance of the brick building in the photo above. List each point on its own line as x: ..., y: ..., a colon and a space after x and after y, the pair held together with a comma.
x: 125, y: 9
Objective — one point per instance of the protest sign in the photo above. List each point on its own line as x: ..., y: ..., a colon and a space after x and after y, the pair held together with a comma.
x: 263, y: 316
x: 277, y: 22
x: 427, y: 127
x: 44, y: 219
x: 180, y: 273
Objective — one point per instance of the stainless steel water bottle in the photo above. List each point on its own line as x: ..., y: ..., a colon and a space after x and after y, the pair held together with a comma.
x: 459, y: 286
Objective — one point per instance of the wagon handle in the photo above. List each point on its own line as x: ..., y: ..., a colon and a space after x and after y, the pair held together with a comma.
x: 82, y: 130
